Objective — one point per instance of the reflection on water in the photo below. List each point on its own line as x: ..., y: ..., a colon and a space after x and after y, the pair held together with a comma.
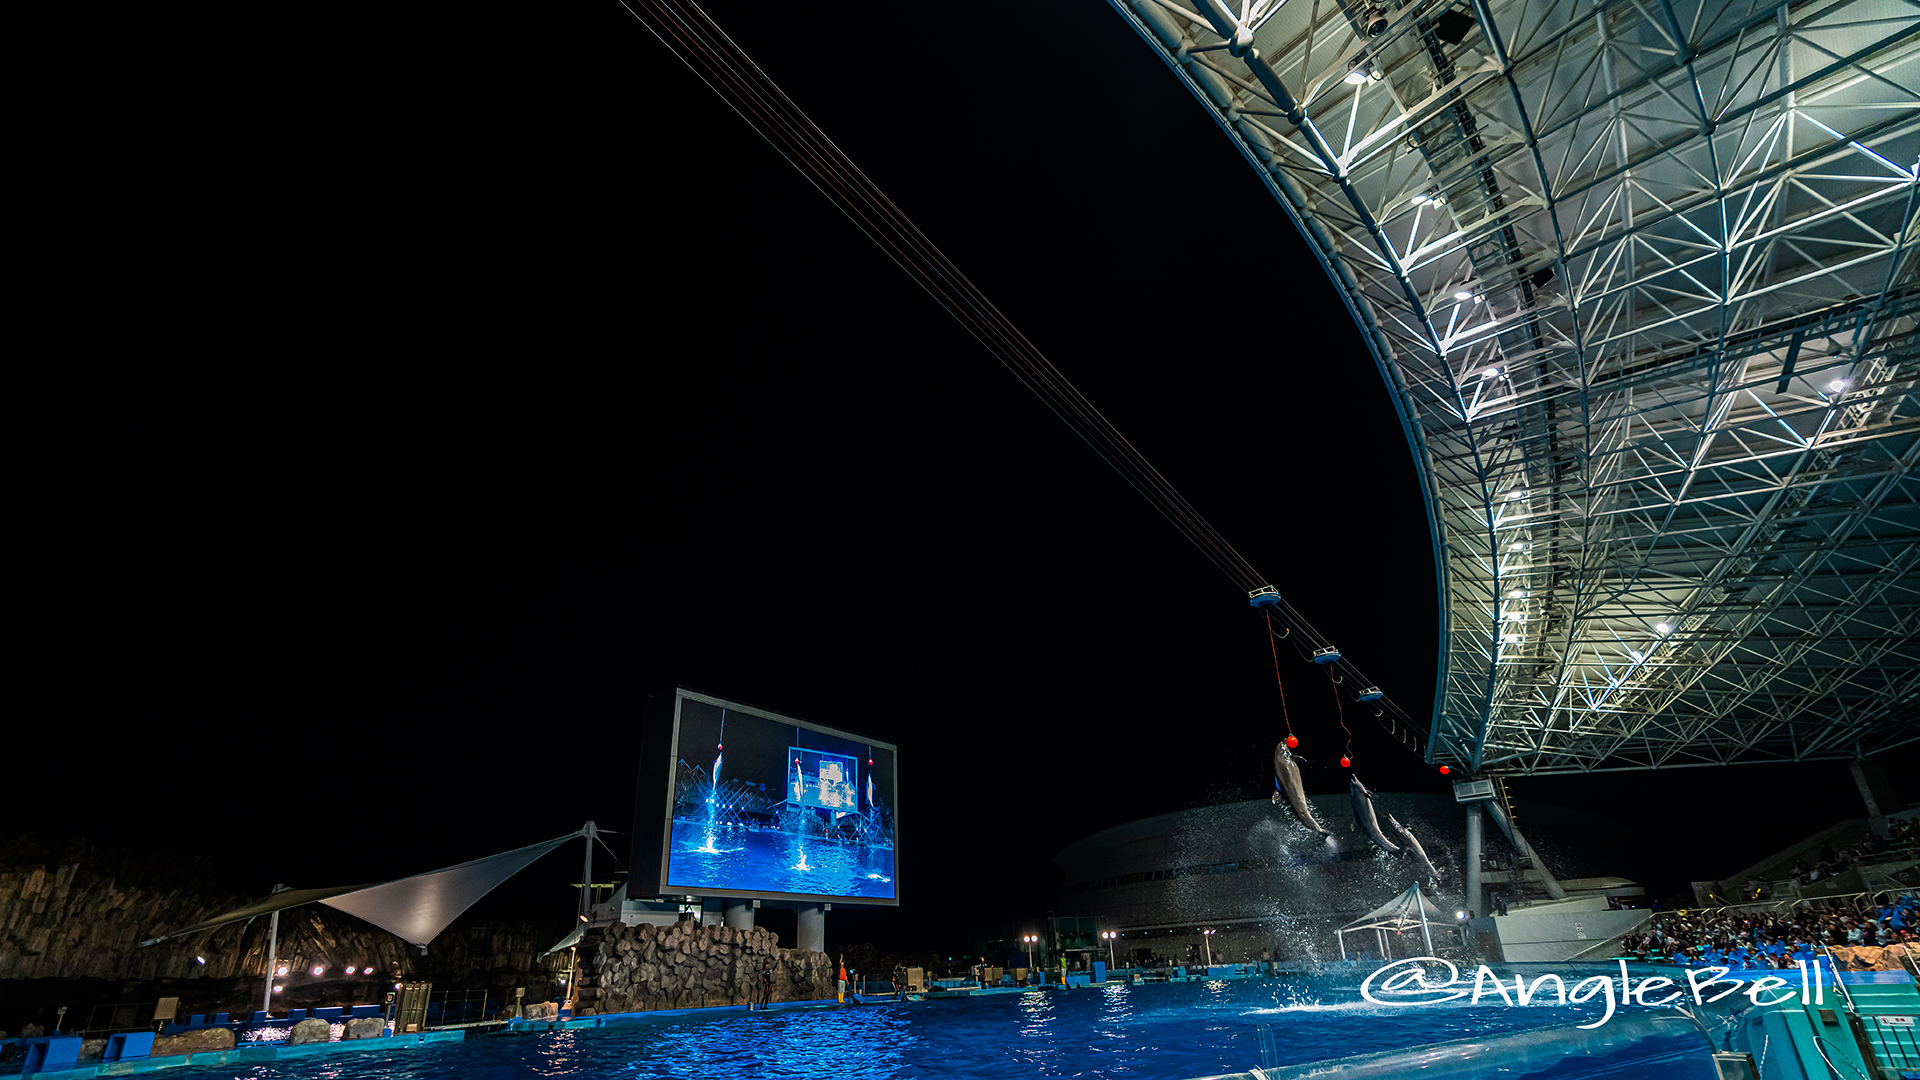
x: 1116, y: 1032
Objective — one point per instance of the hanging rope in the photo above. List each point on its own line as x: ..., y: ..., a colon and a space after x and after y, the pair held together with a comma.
x: 1340, y: 709
x: 1274, y: 646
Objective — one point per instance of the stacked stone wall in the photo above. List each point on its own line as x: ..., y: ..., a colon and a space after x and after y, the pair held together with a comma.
x: 634, y: 968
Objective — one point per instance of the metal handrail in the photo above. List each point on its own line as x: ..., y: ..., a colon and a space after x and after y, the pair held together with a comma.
x: 1837, y: 981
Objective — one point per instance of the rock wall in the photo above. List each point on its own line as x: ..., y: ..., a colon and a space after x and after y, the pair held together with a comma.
x: 72, y: 911
x: 632, y: 968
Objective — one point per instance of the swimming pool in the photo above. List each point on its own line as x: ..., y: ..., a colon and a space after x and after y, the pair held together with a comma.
x: 1116, y: 1032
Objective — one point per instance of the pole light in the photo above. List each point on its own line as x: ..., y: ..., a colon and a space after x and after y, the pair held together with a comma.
x: 1110, y: 935
x: 1207, y: 937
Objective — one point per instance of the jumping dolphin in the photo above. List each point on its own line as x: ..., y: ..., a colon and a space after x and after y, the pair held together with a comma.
x: 1413, y: 848
x: 1363, y: 818
x: 1286, y: 781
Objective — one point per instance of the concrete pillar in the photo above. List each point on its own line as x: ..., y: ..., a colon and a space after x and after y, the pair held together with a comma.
x: 1476, y: 830
x: 739, y: 914
x: 811, y: 928
x: 1524, y: 849
x: 1876, y: 791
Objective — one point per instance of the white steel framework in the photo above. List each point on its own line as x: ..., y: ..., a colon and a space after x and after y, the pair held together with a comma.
x: 1641, y: 277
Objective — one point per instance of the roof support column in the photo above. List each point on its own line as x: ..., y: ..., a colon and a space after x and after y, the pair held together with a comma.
x: 1476, y: 845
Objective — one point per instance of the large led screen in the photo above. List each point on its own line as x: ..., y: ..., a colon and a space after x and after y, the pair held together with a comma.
x: 769, y: 806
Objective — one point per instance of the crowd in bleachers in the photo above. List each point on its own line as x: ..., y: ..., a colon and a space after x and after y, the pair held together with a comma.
x: 1778, y: 939
x: 1901, y: 843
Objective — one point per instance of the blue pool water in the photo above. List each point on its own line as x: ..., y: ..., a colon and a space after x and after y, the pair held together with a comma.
x: 1117, y: 1032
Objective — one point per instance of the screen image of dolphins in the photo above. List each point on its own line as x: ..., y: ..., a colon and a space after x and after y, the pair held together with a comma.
x: 766, y: 807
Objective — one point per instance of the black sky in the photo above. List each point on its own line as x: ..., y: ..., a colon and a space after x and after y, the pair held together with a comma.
x: 449, y: 390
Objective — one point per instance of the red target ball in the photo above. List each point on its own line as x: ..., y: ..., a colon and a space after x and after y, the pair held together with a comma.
x: 1345, y: 762
x: 1292, y: 742
x: 1444, y: 770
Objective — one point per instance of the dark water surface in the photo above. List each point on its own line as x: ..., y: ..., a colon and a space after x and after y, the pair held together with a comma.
x: 1153, y: 1032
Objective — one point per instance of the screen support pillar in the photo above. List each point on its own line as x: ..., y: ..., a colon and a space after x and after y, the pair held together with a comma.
x: 811, y: 928
x: 739, y: 914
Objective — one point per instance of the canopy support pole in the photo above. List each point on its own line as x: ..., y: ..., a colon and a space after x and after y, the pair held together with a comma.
x: 586, y: 872
x: 1422, y: 904
x: 273, y: 957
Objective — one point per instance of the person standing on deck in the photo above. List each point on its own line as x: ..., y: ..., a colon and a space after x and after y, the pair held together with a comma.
x: 843, y: 978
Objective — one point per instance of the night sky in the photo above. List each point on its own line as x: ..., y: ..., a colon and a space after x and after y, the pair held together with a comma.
x: 458, y: 390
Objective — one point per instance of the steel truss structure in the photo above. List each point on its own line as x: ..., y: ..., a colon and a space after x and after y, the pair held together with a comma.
x: 1641, y: 277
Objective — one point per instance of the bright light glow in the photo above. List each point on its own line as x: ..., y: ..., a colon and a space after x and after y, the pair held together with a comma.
x: 369, y: 971
x: 1517, y: 594
x: 1463, y: 294
x: 1516, y: 546
x: 281, y: 970
x: 1636, y: 654
x: 199, y: 959
x: 277, y: 989
x: 351, y: 970
x: 1510, y: 638
x: 1421, y: 199
x: 1837, y: 385
x: 1459, y: 914
x: 1356, y: 76
x: 319, y: 971
x: 1662, y: 629
x: 1515, y: 495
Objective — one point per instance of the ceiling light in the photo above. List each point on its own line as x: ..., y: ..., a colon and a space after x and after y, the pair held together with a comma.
x: 1510, y: 638
x: 1662, y: 629
x: 1357, y: 76
x: 1837, y: 385
x: 1463, y: 294
x: 1516, y: 594
x: 1512, y: 495
x: 1516, y: 547
x: 1636, y: 654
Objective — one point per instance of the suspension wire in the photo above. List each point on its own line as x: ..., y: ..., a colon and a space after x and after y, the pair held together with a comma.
x: 727, y: 70
x: 1275, y: 647
x: 1340, y: 710
x: 686, y: 30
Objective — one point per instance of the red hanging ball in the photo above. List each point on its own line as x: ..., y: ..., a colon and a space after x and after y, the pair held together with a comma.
x: 1444, y: 770
x: 1346, y: 762
x: 1292, y: 742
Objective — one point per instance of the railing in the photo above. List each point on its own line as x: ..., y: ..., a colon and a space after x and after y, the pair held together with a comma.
x: 120, y: 1016
x: 447, y: 1008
